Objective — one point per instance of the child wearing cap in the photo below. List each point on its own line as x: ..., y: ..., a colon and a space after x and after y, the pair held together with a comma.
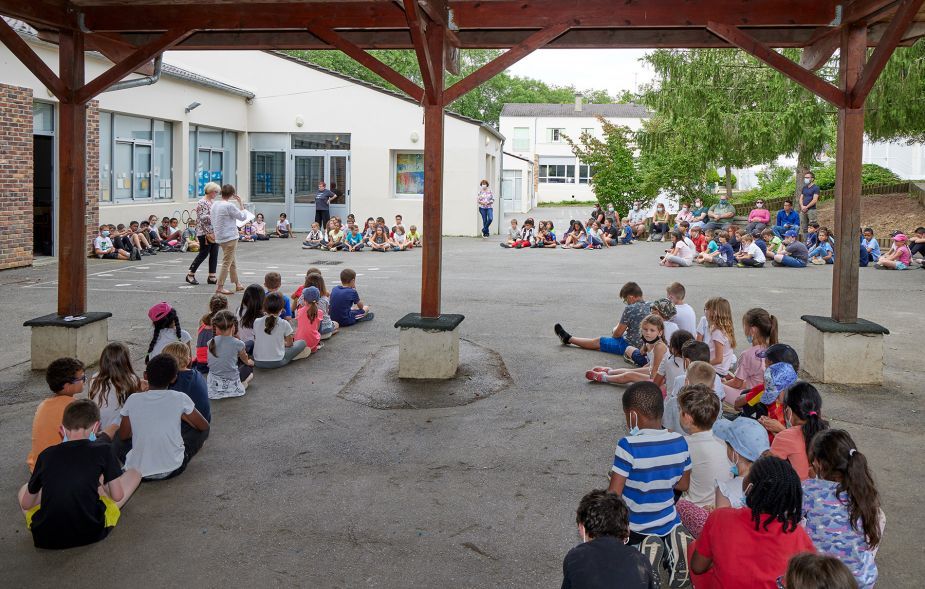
x: 795, y: 253
x: 309, y: 317
x: 166, y: 325
x: 899, y: 257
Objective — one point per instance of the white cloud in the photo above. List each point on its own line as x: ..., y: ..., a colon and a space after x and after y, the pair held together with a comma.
x: 614, y: 70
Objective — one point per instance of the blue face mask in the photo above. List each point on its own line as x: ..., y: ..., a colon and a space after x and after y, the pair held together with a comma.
x: 105, y: 234
x: 807, y: 180
x: 749, y: 338
x: 92, y: 436
x: 634, y: 429
x: 734, y: 467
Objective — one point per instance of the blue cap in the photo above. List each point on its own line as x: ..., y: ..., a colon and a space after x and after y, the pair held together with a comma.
x: 746, y: 436
x: 311, y: 294
x: 777, y: 378
x: 790, y: 233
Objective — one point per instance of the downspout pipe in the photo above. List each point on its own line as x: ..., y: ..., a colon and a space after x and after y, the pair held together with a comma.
x: 143, y: 81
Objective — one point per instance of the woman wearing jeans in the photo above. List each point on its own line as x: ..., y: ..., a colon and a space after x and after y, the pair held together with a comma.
x: 225, y: 215
x: 486, y: 207
x: 205, y: 235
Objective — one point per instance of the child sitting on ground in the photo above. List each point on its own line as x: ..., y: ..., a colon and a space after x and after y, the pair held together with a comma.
x: 315, y: 239
x: 764, y: 401
x: 217, y: 302
x: 685, y: 317
x: 226, y: 377
x: 335, y: 236
x: 151, y: 420
x: 625, y: 334
x: 190, y: 381
x: 841, y: 506
x: 899, y: 258
x: 734, y: 238
x: 649, y: 465
x: 113, y: 384
x: 283, y: 226
x: 823, y: 252
x: 794, y: 254
x: 681, y: 254
x: 346, y: 306
x: 817, y: 571
x: 77, y: 488
x: 774, y: 243
x: 648, y: 358
x: 414, y: 236
x: 353, y: 240
x: 246, y: 233
x: 104, y: 249
x: 699, y: 239
x: 697, y: 372
x: 309, y: 318
x: 65, y: 378
x: 327, y: 327
x: 672, y: 365
x: 722, y: 255
x: 400, y: 239
x: 260, y: 228
x: 803, y: 410
x: 627, y: 233
x: 722, y: 339
x: 513, y: 235
x: 188, y: 240
x: 812, y: 238
x: 665, y: 310
x: 272, y: 281
x: 760, y: 328
x: 166, y: 324
x: 526, y: 237
x: 750, y: 254
x: 380, y: 241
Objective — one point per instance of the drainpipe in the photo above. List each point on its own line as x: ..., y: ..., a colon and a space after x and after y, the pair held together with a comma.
x: 144, y: 81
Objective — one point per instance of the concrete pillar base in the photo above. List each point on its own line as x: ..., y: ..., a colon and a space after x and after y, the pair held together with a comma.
x: 428, y: 348
x: 843, y: 353
x: 53, y: 338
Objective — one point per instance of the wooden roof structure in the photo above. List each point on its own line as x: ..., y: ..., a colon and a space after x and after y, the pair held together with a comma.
x: 133, y: 33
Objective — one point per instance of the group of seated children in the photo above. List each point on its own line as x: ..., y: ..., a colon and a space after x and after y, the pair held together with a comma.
x: 256, y: 230
x: 118, y: 242
x: 130, y: 429
x: 719, y: 465
x: 593, y: 235
x: 376, y: 236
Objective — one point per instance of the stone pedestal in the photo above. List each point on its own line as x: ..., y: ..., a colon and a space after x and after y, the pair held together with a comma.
x: 53, y: 338
x: 843, y: 353
x: 428, y: 348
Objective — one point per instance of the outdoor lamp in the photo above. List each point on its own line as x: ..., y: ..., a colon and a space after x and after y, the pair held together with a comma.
x: 193, y: 106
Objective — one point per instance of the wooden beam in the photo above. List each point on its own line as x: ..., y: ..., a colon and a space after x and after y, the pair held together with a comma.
x: 112, y: 47
x: 801, y: 76
x: 138, y: 58
x: 504, y: 61
x: 33, y: 62
x: 404, y: 84
x: 422, y: 49
x: 820, y: 52
x: 39, y: 12
x: 72, y: 179
x: 861, y: 11
x: 849, y: 153
x: 438, y: 12
x: 434, y: 119
x: 907, y: 11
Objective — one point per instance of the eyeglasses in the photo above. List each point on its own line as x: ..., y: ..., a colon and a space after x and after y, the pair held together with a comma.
x: 77, y: 380
x: 780, y: 582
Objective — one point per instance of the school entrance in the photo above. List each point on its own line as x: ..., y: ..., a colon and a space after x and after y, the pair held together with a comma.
x: 43, y: 179
x: 314, y: 158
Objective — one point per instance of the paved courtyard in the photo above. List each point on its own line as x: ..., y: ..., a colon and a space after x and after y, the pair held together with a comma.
x: 298, y: 487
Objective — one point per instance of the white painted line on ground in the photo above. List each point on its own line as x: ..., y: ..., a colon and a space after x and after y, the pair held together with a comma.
x: 124, y: 284
x: 372, y: 268
x: 162, y: 277
x: 142, y: 267
x: 188, y: 286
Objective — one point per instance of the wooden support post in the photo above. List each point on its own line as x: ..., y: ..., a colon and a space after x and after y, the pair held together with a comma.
x: 431, y: 256
x: 72, y: 185
x: 848, y: 179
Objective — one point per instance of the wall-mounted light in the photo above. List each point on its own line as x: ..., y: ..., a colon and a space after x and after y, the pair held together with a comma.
x: 299, y: 121
x: 415, y: 137
x: 193, y: 106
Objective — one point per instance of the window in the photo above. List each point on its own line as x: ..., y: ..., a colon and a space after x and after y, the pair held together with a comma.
x: 135, y: 158
x: 213, y: 158
x: 557, y: 173
x: 408, y: 174
x: 268, y: 176
x: 554, y: 135
x: 43, y: 118
x: 321, y: 141
x: 585, y: 173
x: 521, y: 138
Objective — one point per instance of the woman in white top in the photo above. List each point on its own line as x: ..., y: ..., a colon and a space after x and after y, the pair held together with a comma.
x: 225, y: 215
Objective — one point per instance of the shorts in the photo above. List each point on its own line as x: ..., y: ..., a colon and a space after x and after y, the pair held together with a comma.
x: 110, y: 518
x: 614, y: 345
x: 901, y: 266
x: 110, y: 256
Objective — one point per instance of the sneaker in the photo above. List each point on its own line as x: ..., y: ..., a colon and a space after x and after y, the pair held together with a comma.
x: 679, y: 573
x: 135, y: 255
x: 653, y: 549
x: 740, y: 265
x: 563, y: 335
x: 143, y: 252
x: 152, y: 251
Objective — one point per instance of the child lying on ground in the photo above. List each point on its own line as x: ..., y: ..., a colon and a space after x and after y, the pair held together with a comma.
x: 625, y: 334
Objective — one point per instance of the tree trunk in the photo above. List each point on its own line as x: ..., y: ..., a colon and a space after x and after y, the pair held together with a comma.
x: 728, y: 182
x: 802, y: 168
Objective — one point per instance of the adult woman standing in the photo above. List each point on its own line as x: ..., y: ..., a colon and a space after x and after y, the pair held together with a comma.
x: 225, y: 215
x: 205, y: 234
x: 486, y: 206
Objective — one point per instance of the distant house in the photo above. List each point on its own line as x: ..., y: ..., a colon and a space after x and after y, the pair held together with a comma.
x: 536, y: 132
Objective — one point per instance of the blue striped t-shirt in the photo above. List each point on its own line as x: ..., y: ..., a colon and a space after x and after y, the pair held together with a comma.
x: 652, y: 462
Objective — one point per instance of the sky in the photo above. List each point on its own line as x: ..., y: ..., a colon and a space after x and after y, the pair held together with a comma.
x: 614, y: 70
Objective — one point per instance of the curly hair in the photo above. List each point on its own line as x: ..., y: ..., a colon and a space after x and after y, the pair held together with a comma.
x: 217, y: 302
x: 644, y: 397
x: 115, y: 372
x: 719, y: 314
x: 775, y: 493
x: 61, y: 372
x: 603, y: 514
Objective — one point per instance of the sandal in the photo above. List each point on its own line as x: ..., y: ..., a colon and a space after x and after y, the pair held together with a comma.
x: 212, y: 280
x: 225, y: 292
x: 191, y: 279
x: 238, y: 287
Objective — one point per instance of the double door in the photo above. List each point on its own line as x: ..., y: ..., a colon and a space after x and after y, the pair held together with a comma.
x: 306, y: 169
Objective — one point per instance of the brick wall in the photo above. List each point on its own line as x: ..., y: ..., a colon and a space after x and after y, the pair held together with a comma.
x: 93, y: 171
x: 15, y: 176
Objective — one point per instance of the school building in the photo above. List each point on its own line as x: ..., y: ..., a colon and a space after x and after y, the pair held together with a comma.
x: 270, y: 124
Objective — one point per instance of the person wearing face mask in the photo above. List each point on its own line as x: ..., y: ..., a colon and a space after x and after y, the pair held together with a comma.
x: 808, y: 200
x: 603, y: 560
x: 684, y: 214
x: 760, y: 329
x: 699, y: 213
x: 486, y: 201
x: 637, y: 217
x: 104, y: 249
x: 720, y: 215
x: 611, y: 213
x: 659, y: 223
x: 803, y: 418
x: 650, y: 463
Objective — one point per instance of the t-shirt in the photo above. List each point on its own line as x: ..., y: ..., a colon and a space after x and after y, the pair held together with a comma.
x: 342, y: 300
x: 194, y: 385
x: 723, y: 207
x: 718, y: 336
x: 46, y: 424
x: 905, y: 255
x: 354, y: 238
x: 733, y: 491
x: 824, y: 249
x: 632, y: 317
x: 168, y: 336
x: 605, y: 563
x: 270, y: 347
x: 751, y: 368
x: 755, y: 252
x: 287, y: 305
x: 323, y: 199
x: 224, y: 362
x: 762, y: 246
x: 611, y: 232
x: 709, y: 464
x: 335, y: 236
x: 685, y: 251
x: 652, y: 462
x: 775, y: 245
x: 828, y: 524
x: 68, y: 475
x: 108, y: 402
x: 700, y: 242
x: 685, y: 318
x: 712, y: 246
x: 669, y: 330
x: 808, y: 193
x: 308, y: 330
x: 283, y: 225
x: 791, y: 445
x: 157, y: 446
x: 745, y: 557
x: 314, y: 235
x: 104, y: 244
x: 699, y: 214
x: 671, y: 368
x: 799, y: 251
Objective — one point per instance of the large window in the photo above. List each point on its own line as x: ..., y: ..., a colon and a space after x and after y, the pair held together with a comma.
x: 557, y: 170
x: 213, y: 158
x: 555, y: 135
x: 521, y: 138
x: 408, y: 174
x: 135, y: 158
x: 268, y: 176
x: 321, y: 141
x: 585, y: 173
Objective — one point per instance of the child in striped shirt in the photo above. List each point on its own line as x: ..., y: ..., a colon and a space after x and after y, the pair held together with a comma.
x: 649, y: 465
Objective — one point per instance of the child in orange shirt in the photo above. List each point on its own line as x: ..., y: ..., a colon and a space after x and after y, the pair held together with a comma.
x: 65, y: 378
x: 309, y: 318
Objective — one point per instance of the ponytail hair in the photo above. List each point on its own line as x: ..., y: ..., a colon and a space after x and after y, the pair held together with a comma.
x: 273, y: 305
x: 312, y: 311
x: 806, y: 403
x: 168, y: 320
x: 223, y: 320
x: 217, y: 303
x: 839, y: 460
x: 764, y: 322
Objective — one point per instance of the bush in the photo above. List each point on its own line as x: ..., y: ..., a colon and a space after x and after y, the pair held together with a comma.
x: 871, y: 174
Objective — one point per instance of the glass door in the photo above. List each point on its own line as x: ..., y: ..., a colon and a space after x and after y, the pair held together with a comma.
x: 339, y: 184
x: 306, y: 169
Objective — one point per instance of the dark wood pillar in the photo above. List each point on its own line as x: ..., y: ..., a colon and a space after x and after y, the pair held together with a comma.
x: 72, y: 184
x: 848, y: 180
x: 431, y: 256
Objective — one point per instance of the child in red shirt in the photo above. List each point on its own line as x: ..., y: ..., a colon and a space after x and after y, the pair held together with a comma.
x: 699, y: 239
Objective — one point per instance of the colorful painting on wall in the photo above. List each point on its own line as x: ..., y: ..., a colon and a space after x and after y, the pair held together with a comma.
x: 409, y: 173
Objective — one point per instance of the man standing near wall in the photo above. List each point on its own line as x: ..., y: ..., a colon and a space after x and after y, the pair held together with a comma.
x: 808, y: 201
x: 323, y: 200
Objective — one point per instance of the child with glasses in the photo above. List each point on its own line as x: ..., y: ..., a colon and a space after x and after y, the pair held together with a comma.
x: 65, y: 378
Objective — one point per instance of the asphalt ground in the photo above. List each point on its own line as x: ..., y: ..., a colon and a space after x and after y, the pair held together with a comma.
x: 298, y: 487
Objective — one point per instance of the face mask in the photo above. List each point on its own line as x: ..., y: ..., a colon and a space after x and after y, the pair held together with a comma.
x: 64, y: 438
x: 634, y: 429
x: 105, y: 234
x: 749, y: 338
x: 650, y: 341
x: 807, y: 180
x: 92, y: 436
x: 734, y: 465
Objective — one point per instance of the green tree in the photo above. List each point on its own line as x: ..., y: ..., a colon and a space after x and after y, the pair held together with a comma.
x: 616, y: 176
x: 896, y: 105
x: 668, y: 163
